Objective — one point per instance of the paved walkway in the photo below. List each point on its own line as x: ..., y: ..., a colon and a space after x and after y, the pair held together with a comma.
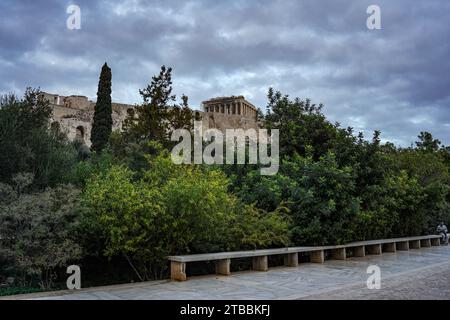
x: 414, y: 274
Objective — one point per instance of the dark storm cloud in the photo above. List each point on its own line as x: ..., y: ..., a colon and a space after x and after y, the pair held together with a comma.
x: 394, y: 79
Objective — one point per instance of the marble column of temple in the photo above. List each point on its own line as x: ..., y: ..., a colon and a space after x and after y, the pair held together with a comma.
x: 231, y: 107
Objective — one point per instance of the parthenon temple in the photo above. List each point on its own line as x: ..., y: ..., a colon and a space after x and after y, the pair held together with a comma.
x: 230, y: 105
x: 229, y: 113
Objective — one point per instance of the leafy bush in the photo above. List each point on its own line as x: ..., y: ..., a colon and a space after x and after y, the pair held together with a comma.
x: 172, y: 210
x: 36, y: 231
x: 318, y: 195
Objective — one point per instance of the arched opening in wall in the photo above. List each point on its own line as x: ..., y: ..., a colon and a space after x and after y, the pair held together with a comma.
x: 55, y: 126
x: 80, y: 133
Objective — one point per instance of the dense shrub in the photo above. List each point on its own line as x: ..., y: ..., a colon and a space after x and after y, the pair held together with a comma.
x: 318, y: 194
x: 37, y: 231
x: 172, y: 210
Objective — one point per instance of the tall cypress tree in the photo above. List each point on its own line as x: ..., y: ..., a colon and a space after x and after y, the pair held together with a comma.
x: 102, y: 125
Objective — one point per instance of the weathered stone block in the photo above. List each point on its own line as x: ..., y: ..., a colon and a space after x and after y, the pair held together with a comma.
x: 291, y: 259
x: 177, y: 271
x: 260, y: 263
x: 223, y: 267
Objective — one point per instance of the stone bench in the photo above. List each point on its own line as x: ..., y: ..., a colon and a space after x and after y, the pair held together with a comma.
x: 317, y: 254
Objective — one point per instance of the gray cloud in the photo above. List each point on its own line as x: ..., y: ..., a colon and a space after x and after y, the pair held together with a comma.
x: 394, y: 79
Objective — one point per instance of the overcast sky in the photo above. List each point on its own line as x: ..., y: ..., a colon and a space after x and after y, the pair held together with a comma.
x: 395, y: 79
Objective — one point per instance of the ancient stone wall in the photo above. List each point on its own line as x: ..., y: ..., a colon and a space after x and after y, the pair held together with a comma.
x: 75, y: 114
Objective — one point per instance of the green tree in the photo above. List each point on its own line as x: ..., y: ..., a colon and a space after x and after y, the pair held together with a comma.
x: 27, y: 143
x: 149, y: 120
x: 303, y: 128
x: 102, y: 125
x: 159, y: 114
x: 153, y: 121
x: 427, y: 142
x: 181, y: 116
x: 432, y: 175
x: 445, y: 154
